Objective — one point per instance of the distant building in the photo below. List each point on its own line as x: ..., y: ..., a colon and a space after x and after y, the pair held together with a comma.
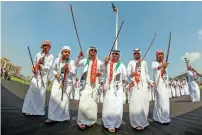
x: 198, y: 79
x: 181, y: 76
x: 10, y: 67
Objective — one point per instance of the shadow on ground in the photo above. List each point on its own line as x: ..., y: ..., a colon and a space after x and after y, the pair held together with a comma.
x: 186, y: 118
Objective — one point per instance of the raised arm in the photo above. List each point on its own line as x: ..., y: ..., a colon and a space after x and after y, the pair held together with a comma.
x: 80, y: 62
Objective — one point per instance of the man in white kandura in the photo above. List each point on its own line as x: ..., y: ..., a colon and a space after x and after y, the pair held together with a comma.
x: 77, y: 92
x: 34, y: 101
x: 128, y: 89
x: 186, y: 87
x: 193, y: 86
x: 173, y: 88
x: 139, y: 101
x: 150, y: 92
x: 101, y: 91
x: 161, y: 113
x: 170, y: 89
x: 115, y: 74
x: 177, y: 88
x: 89, y: 83
x: 125, y: 91
x: 182, y: 88
x: 63, y: 70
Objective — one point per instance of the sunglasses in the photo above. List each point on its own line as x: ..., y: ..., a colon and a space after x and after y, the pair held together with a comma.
x: 115, y: 53
x: 66, y: 51
x: 93, y: 50
x: 137, y: 53
x: 45, y: 45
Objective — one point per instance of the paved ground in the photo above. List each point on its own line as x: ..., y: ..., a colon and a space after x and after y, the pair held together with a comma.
x: 186, y: 117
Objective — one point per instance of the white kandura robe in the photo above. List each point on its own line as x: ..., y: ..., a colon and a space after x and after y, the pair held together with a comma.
x: 128, y: 93
x: 126, y: 90
x: 193, y: 87
x: 77, y: 91
x: 34, y: 102
x: 170, y: 90
x: 87, y: 112
x: 72, y: 93
x: 186, y: 87
x: 101, y: 96
x: 58, y: 109
x: 181, y: 89
x: 173, y: 89
x: 153, y: 96
x: 112, y: 111
x: 139, y: 101
x: 124, y: 94
x: 150, y: 93
x: 177, y: 89
x: 161, y: 111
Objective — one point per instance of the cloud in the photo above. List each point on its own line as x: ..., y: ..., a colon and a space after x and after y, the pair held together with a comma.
x: 192, y: 56
x: 200, y: 34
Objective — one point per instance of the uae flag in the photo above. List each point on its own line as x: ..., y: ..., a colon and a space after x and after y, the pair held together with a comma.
x: 115, y: 9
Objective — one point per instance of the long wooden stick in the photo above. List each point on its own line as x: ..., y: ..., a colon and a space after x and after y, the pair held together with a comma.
x: 30, y: 56
x: 116, y: 38
x: 75, y: 27
x: 149, y: 46
x: 187, y: 62
x: 168, y: 51
x: 33, y: 67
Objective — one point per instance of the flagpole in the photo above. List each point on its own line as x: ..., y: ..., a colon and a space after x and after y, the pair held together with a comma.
x: 116, y: 45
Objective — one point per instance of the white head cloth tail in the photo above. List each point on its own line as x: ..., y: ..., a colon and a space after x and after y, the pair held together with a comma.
x: 64, y: 48
x: 52, y: 76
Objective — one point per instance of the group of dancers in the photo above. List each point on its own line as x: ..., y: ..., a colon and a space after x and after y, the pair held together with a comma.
x: 117, y: 79
x: 177, y: 88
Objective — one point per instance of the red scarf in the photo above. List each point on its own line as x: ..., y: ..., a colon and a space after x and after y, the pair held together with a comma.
x: 62, y: 60
x: 93, y: 72
x: 111, y: 71
x: 65, y: 75
x: 75, y: 84
x: 38, y: 63
x: 161, y: 73
x: 137, y: 75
